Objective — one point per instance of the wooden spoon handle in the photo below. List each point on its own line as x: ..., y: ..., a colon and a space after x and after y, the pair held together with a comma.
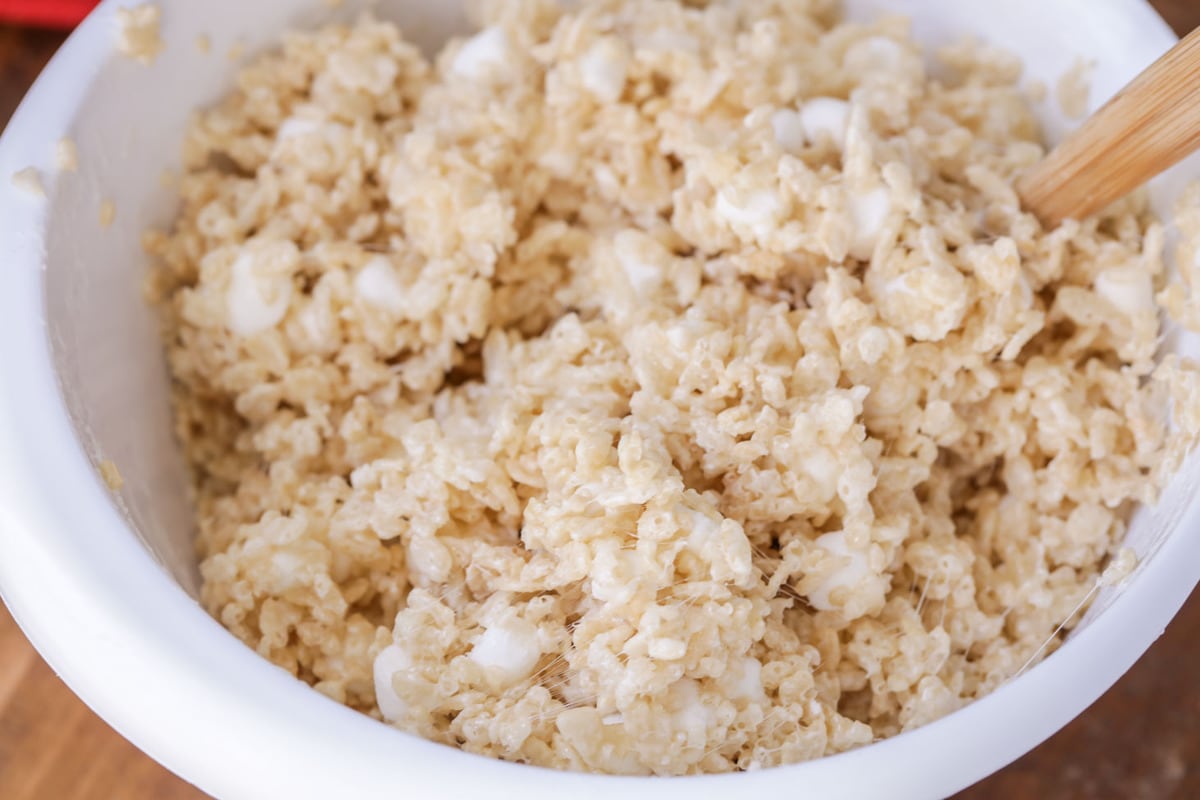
x: 1150, y: 125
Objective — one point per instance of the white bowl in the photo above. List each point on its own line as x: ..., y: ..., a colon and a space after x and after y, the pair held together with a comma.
x: 104, y: 588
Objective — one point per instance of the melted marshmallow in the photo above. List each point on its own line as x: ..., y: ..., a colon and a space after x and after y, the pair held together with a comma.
x: 378, y: 285
x: 333, y: 134
x: 869, y: 211
x: 684, y: 334
x: 704, y: 528
x: 391, y: 659
x: 853, y: 572
x: 743, y: 679
x: 689, y: 714
x: 603, y: 70
x: 508, y: 650
x: 643, y: 275
x: 788, y: 127
x: 822, y: 467
x: 481, y: 53
x: 875, y: 54
x: 1128, y: 289
x: 254, y: 303
x: 825, y: 116
x: 293, y: 127
x: 759, y: 212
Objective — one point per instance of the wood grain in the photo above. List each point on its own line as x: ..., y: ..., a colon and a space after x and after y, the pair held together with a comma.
x: 1149, y: 126
x: 1141, y: 741
x: 23, y: 53
x: 53, y: 748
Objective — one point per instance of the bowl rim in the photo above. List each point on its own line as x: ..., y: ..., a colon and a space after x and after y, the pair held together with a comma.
x: 144, y: 655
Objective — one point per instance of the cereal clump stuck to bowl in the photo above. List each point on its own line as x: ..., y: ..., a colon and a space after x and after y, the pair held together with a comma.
x: 652, y: 388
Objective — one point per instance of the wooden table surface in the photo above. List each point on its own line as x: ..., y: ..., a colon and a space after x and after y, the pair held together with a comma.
x: 1141, y: 741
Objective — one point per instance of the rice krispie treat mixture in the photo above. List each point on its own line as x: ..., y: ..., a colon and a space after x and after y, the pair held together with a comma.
x: 654, y: 387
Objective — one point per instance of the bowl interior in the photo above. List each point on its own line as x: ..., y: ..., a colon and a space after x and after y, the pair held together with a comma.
x: 129, y: 129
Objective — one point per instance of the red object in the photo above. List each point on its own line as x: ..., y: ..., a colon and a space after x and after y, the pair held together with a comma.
x: 45, y: 13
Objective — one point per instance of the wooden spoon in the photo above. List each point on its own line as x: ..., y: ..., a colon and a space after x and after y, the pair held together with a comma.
x: 1149, y: 126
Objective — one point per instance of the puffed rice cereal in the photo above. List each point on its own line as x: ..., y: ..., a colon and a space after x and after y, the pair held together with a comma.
x: 66, y: 155
x: 137, y: 32
x: 655, y: 387
x: 29, y: 180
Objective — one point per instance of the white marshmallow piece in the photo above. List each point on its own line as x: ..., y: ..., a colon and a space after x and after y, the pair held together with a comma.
x: 853, y: 572
x: 688, y: 713
x: 507, y: 650
x: 821, y: 467
x: 758, y: 212
x: 391, y: 659
x: 788, y: 126
x: 1128, y: 289
x: 743, y: 679
x: 682, y: 335
x: 868, y: 210
x: 482, y: 53
x: 378, y: 285
x: 875, y: 54
x: 825, y: 116
x: 633, y: 255
x: 254, y: 303
x: 603, y: 70
x: 294, y: 127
